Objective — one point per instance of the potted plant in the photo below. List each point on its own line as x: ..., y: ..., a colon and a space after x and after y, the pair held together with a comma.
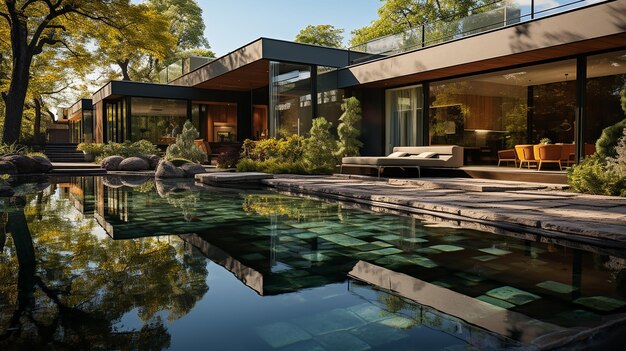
x: 91, y: 150
x: 545, y: 141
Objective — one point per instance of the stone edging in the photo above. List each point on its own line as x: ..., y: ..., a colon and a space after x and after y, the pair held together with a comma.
x: 565, y: 229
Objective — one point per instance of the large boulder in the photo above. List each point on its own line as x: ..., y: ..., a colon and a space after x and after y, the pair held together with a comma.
x: 24, y: 164
x: 43, y: 165
x: 135, y: 181
x: 134, y: 164
x: 111, y: 163
x: 112, y: 181
x: 7, y: 167
x: 191, y: 169
x: 154, y: 161
x: 166, y: 169
x: 5, y: 189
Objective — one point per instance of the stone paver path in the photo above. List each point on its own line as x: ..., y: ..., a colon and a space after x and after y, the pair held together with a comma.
x: 533, y: 205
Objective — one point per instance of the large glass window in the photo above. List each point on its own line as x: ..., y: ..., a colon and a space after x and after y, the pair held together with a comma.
x: 290, y: 99
x: 491, y: 112
x: 157, y: 120
x: 606, y: 88
x: 404, y: 117
x: 329, y: 98
x: 88, y: 125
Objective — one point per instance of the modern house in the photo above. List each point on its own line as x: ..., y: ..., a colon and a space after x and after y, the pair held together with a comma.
x: 514, y: 74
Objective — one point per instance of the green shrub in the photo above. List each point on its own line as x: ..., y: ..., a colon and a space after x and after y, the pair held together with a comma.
x: 95, y: 149
x: 605, y: 146
x: 320, y: 148
x: 349, y: 143
x: 179, y: 161
x: 288, y: 149
x: 602, y: 175
x: 185, y: 146
x: 271, y: 166
x: 41, y: 154
x: 228, y: 158
x: 11, y: 149
x: 139, y: 148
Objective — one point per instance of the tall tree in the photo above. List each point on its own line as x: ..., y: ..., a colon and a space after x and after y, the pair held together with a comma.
x: 322, y: 34
x: 395, y: 16
x: 35, y: 25
x: 139, y: 45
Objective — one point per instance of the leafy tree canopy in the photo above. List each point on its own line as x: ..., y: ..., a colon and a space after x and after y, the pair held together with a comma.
x: 323, y: 35
x: 395, y: 16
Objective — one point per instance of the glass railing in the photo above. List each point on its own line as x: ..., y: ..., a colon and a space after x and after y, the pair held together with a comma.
x: 491, y: 16
x: 181, y: 67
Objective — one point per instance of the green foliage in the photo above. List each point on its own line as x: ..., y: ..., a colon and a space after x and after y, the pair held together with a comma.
x: 602, y: 175
x: 179, y: 161
x: 605, y: 146
x: 293, y: 154
x: 287, y: 149
x: 271, y: 166
x: 349, y: 143
x: 323, y: 35
x: 545, y: 141
x: 320, y: 148
x: 13, y: 149
x: 185, y: 146
x: 228, y: 159
x: 5, y: 176
x: 396, y: 16
x: 95, y: 149
x: 40, y: 154
x: 128, y: 149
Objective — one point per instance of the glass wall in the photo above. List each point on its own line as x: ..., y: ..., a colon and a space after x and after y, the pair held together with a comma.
x: 329, y: 98
x: 88, y: 125
x: 259, y: 122
x: 76, y: 129
x: 606, y: 85
x: 157, y: 120
x: 115, y: 112
x: 290, y: 99
x: 404, y: 117
x: 490, y: 112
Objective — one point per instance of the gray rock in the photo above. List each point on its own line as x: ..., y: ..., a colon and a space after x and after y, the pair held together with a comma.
x: 43, y: 165
x: 191, y: 169
x: 5, y: 189
x: 111, y: 163
x: 134, y: 181
x: 7, y: 167
x: 166, y: 169
x: 24, y: 164
x: 112, y: 182
x: 134, y: 164
x: 154, y: 161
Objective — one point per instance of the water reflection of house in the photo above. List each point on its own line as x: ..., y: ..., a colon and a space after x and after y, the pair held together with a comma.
x: 80, y: 191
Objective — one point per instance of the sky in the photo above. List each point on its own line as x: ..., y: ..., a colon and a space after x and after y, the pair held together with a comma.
x: 231, y: 24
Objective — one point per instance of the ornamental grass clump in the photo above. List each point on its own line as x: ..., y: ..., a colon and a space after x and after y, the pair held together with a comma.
x: 185, y: 146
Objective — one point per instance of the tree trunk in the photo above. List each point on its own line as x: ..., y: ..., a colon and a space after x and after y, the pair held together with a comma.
x: 37, y: 122
x: 15, y: 97
x: 124, y: 67
x: 26, y: 259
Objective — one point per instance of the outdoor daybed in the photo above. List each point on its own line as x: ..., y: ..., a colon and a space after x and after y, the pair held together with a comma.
x: 448, y: 156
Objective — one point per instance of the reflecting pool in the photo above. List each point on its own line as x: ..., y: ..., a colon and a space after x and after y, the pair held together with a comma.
x: 129, y: 263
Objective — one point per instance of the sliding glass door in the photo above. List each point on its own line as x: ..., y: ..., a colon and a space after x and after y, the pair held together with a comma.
x: 404, y: 117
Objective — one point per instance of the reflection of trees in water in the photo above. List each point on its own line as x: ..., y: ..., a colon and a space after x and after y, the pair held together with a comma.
x: 289, y: 206
x: 66, y: 287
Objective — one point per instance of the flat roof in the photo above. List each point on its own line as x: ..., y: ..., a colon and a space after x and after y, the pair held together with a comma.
x: 596, y: 27
x: 248, y: 66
